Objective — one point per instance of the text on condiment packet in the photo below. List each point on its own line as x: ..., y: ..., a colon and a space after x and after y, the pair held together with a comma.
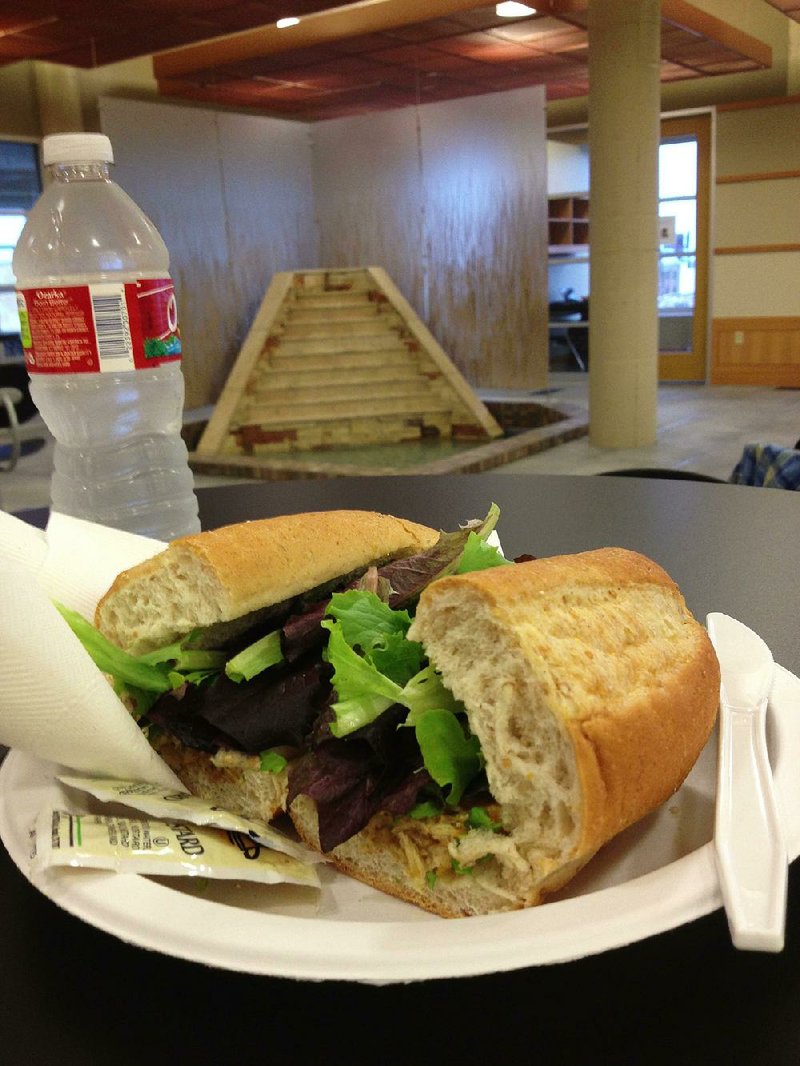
x: 150, y: 846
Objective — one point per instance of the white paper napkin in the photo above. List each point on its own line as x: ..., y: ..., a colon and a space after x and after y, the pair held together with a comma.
x: 21, y: 543
x: 54, y: 702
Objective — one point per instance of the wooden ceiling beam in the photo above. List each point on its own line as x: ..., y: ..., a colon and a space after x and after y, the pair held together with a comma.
x: 334, y: 24
x: 688, y: 17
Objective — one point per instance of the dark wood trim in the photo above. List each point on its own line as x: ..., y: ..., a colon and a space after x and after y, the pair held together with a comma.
x: 751, y: 249
x: 767, y: 101
x: 766, y: 175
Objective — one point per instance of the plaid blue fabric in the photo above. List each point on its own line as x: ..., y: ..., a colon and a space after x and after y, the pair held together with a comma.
x: 769, y: 465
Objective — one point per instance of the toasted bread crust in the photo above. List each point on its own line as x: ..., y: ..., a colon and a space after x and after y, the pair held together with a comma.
x: 226, y: 573
x: 632, y: 762
x: 241, y: 787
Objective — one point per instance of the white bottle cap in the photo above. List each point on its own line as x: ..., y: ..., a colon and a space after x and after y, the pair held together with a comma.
x: 77, y: 148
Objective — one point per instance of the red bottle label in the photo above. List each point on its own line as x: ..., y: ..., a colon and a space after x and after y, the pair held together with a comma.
x: 105, y: 326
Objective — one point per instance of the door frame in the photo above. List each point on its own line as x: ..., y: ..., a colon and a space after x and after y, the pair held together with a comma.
x: 693, y: 365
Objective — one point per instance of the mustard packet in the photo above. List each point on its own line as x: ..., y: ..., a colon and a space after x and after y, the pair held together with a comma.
x: 165, y: 803
x: 150, y: 846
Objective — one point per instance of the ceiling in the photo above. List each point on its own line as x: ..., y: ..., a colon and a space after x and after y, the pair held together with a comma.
x: 356, y: 59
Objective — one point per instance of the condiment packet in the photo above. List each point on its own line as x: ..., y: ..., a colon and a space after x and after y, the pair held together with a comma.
x: 149, y: 846
x: 166, y: 803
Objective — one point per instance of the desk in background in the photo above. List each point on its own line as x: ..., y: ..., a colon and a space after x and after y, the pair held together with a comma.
x: 576, y: 337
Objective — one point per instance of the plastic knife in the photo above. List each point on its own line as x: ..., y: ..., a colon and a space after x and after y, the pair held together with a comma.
x: 748, y: 837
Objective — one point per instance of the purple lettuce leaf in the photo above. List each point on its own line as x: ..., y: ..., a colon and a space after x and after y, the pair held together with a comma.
x: 275, y: 708
x: 409, y: 576
x: 377, y: 768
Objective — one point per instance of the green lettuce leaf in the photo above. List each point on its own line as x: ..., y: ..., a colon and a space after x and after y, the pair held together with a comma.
x: 368, y: 623
x: 272, y: 762
x: 451, y: 756
x: 478, y: 555
x: 426, y: 691
x: 255, y: 658
x: 397, y: 658
x: 137, y: 700
x: 479, y: 818
x: 183, y: 658
x: 363, y: 691
x: 365, y: 617
x: 425, y: 809
x: 126, y: 669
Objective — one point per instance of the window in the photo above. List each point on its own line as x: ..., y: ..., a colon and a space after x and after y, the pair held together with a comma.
x: 677, y: 209
x: 10, y: 228
x: 20, y: 186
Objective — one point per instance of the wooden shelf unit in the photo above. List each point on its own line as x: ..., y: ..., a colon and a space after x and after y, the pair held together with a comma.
x: 567, y: 222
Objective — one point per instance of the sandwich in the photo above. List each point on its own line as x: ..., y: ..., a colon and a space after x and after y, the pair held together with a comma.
x: 215, y: 644
x: 452, y: 728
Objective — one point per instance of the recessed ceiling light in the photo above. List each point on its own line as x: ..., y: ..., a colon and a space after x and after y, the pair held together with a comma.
x: 283, y: 23
x: 510, y: 9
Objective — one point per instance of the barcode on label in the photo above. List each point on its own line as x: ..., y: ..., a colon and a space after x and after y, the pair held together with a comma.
x: 112, y: 326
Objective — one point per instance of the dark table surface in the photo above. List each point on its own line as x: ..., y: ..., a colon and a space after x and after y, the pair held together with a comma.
x: 73, y: 994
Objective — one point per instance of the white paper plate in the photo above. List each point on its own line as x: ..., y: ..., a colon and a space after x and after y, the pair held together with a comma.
x: 653, y: 877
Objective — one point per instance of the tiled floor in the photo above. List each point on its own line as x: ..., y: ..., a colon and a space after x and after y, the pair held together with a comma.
x: 700, y: 428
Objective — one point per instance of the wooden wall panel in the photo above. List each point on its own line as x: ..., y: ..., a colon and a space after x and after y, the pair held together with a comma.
x: 450, y: 199
x: 231, y: 196
x: 485, y: 172
x: 756, y: 351
x: 368, y: 196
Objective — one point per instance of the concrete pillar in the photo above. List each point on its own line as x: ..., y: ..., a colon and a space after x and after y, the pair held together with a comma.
x: 624, y: 108
x: 59, y: 99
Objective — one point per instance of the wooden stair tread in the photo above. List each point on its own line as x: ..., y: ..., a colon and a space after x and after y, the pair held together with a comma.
x: 355, y: 377
x: 370, y: 327
x: 361, y: 298
x: 345, y: 280
x: 320, y: 356
x: 299, y: 396
x: 273, y: 416
x: 312, y: 316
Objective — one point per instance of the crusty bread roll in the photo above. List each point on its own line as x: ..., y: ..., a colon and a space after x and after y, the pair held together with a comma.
x: 227, y: 573
x: 592, y: 690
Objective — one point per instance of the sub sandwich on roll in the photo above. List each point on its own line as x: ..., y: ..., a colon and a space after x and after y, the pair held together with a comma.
x: 233, y: 616
x: 454, y: 729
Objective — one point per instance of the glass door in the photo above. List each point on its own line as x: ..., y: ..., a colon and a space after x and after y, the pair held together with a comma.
x: 19, y: 188
x: 683, y: 170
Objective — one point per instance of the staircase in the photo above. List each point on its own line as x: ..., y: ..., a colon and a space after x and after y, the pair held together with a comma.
x: 338, y: 358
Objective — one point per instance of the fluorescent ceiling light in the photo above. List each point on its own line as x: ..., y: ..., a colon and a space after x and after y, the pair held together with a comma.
x: 283, y: 23
x: 510, y: 9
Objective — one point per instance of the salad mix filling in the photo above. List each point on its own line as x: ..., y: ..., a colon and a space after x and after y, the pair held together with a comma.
x: 333, y: 683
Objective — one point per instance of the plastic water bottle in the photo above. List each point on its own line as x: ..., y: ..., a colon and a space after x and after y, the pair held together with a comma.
x: 102, y: 345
